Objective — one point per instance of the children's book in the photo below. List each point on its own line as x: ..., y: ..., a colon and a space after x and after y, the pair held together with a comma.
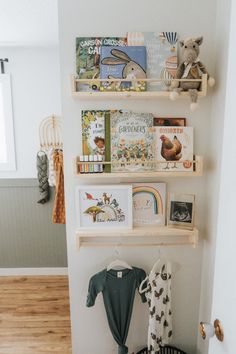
x: 169, y: 122
x: 132, y: 142
x: 123, y: 63
x: 96, y: 134
x: 149, y: 204
x: 174, y: 148
x: 88, y: 58
x: 162, y: 58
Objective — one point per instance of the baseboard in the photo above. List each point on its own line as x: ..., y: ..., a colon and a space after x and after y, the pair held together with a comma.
x: 33, y: 271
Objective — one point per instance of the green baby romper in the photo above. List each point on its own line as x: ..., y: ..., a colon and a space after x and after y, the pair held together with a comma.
x: 118, y: 290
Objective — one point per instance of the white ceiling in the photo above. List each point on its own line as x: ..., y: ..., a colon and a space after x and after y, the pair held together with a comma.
x: 28, y: 22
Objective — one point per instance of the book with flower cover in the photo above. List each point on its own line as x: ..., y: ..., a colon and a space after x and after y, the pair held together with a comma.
x: 174, y: 148
x: 162, y: 56
x: 88, y: 58
x: 132, y: 142
x: 123, y: 63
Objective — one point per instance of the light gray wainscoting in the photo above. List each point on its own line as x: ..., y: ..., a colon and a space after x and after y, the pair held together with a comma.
x: 27, y: 236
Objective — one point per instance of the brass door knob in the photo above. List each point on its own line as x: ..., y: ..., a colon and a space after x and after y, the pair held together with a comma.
x: 207, y: 330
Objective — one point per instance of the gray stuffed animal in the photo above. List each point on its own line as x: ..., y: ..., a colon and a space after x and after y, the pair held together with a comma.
x: 190, y: 68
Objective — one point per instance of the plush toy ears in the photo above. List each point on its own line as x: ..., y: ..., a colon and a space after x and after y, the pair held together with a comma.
x: 199, y: 40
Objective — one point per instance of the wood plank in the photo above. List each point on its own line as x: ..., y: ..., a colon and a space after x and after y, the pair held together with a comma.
x: 34, y: 315
x: 35, y: 279
x: 28, y: 323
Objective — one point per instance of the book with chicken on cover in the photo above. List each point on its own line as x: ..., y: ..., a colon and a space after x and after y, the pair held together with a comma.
x: 132, y: 142
x: 174, y: 148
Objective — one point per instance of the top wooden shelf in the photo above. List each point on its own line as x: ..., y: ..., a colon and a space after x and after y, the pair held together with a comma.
x: 133, y: 95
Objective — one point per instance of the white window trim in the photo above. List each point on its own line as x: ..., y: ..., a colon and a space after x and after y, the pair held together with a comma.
x: 10, y: 165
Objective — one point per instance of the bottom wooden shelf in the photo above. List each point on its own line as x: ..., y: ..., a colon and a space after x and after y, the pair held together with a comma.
x: 137, y: 237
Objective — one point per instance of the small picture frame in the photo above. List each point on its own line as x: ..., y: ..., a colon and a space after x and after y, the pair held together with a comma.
x: 180, y: 211
x: 104, y: 206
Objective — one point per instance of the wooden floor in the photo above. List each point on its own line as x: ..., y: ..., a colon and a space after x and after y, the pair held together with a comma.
x: 34, y: 315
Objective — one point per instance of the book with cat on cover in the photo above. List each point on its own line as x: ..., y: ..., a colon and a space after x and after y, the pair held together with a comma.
x: 96, y: 134
x: 162, y: 56
x: 132, y: 142
x: 123, y: 63
x: 174, y: 147
x: 88, y: 58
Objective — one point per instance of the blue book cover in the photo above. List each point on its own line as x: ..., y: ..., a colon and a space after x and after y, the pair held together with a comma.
x: 162, y: 56
x: 123, y: 63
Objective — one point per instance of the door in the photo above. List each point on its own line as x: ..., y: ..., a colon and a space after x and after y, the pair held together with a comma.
x: 224, y: 291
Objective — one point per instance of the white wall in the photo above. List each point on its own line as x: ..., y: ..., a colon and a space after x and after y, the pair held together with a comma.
x: 213, y: 156
x: 224, y: 288
x: 36, y: 95
x: 83, y: 19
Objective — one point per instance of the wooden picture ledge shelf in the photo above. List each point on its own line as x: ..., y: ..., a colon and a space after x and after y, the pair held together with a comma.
x: 133, y: 95
x: 137, y: 237
x: 198, y: 163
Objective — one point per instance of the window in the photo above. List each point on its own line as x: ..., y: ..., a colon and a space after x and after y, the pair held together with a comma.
x: 7, y: 146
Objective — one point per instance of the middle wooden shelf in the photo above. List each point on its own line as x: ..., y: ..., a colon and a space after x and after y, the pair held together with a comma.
x: 197, y: 172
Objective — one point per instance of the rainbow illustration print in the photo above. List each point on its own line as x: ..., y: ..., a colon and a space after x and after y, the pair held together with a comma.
x: 149, y: 203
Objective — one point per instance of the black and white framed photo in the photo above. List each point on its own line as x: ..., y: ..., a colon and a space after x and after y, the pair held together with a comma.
x: 181, y: 209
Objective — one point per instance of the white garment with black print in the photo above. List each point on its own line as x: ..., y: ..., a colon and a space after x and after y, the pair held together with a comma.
x: 158, y: 294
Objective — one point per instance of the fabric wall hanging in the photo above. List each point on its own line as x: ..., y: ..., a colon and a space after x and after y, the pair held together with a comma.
x: 42, y: 171
x: 50, y: 166
x: 50, y: 138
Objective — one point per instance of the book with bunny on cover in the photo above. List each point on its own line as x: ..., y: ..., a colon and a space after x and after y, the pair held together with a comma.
x: 123, y: 63
x: 162, y: 56
x: 132, y: 142
x: 174, y: 148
